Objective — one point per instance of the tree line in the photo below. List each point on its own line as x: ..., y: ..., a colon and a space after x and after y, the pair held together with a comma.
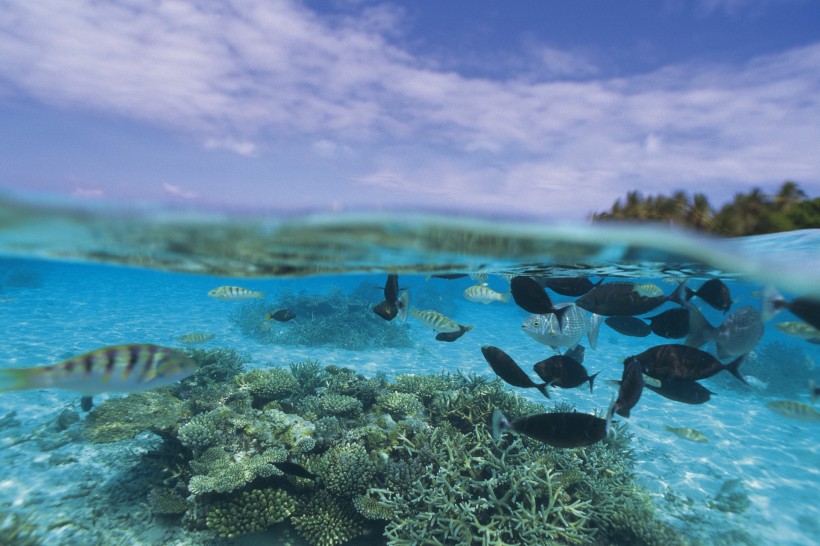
x: 751, y: 213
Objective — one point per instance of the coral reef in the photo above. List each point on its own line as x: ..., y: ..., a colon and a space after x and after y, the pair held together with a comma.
x: 267, y: 385
x: 119, y: 419
x: 250, y: 512
x: 324, y: 521
x: 334, y: 319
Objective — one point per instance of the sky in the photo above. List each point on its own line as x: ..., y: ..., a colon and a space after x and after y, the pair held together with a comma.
x: 530, y: 108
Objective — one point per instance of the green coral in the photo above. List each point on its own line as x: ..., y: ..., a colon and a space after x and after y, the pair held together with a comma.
x: 371, y: 508
x: 123, y: 418
x: 167, y: 501
x: 325, y: 521
x: 339, y: 405
x: 423, y: 386
x: 346, y: 470
x: 401, y: 404
x: 267, y: 385
x: 250, y: 511
x: 218, y: 471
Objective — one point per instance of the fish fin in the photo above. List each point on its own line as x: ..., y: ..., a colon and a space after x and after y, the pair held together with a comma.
x: 268, y: 316
x: 559, y: 315
x: 700, y: 331
x: 680, y: 293
x: 17, y: 379
x: 498, y: 424
x: 504, y: 298
x: 771, y: 302
x: 610, y: 412
x: 466, y: 328
x: 592, y: 335
x: 403, y: 303
x: 689, y: 295
x: 734, y: 366
x: 543, y: 387
x: 592, y: 379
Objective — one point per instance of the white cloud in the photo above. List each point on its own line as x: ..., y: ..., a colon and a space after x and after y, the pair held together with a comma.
x: 88, y: 193
x: 277, y: 72
x: 176, y: 191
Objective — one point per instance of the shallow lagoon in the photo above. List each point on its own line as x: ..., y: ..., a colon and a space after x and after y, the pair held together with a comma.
x: 754, y: 482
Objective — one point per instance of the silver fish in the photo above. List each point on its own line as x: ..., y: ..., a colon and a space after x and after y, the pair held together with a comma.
x: 234, y: 293
x: 738, y: 334
x: 575, y: 323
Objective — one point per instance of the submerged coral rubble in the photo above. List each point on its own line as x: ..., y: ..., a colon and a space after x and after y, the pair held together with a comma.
x: 403, y: 462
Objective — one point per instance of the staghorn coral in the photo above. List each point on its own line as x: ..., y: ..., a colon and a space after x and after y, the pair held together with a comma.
x: 123, y: 418
x: 423, y: 386
x: 401, y: 404
x: 324, y: 521
x: 346, y: 470
x: 250, y: 511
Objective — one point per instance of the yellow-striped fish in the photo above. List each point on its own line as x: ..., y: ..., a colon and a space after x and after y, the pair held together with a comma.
x: 800, y: 329
x: 795, y: 410
x: 120, y: 368
x: 687, y: 434
x: 234, y: 293
x: 436, y: 321
x: 194, y: 337
x: 648, y: 290
x: 482, y: 293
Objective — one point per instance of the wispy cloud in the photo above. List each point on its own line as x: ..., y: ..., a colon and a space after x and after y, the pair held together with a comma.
x: 176, y: 191
x: 278, y: 72
x: 87, y: 193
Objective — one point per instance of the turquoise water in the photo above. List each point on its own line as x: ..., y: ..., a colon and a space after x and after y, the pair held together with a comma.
x: 754, y: 482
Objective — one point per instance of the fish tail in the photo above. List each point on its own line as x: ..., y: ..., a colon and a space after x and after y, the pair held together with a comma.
x: 700, y: 331
x: 543, y: 387
x: 591, y: 379
x: 498, y: 424
x: 592, y: 335
x: 771, y: 302
x: 504, y: 298
x: 403, y: 303
x: 466, y: 328
x: 733, y: 368
x: 689, y: 295
x: 610, y: 412
x: 17, y: 379
x: 681, y: 294
x: 268, y: 316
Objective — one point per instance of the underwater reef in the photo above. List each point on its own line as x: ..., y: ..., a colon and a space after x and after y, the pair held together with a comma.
x: 333, y: 320
x: 335, y: 455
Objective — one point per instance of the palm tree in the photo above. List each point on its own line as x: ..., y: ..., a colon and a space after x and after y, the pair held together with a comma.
x: 788, y: 195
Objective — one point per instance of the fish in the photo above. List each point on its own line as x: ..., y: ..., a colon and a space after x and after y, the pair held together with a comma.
x: 481, y: 293
x: 687, y: 434
x: 814, y: 391
x: 559, y: 429
x: 532, y: 298
x: 576, y: 323
x: 282, y: 315
x: 86, y: 403
x: 675, y: 361
x: 119, y: 368
x: 195, y: 337
x: 630, y: 389
x: 806, y: 309
x: 452, y: 336
x: 564, y: 371
x: 679, y: 390
x: 671, y: 324
x: 506, y: 368
x: 714, y: 292
x: 627, y: 299
x: 449, y: 276
x: 800, y: 329
x: 628, y: 326
x: 569, y: 286
x: 234, y: 293
x: 795, y: 410
x: 738, y: 334
x: 436, y: 321
x: 294, y: 470
x: 391, y: 289
x: 403, y: 306
x: 386, y: 310
x: 479, y: 276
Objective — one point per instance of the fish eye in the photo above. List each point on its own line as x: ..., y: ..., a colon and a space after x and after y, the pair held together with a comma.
x: 535, y: 323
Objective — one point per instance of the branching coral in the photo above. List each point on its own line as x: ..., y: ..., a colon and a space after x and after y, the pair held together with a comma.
x: 324, y: 521
x: 218, y: 471
x: 346, y: 470
x: 250, y: 512
x: 267, y: 385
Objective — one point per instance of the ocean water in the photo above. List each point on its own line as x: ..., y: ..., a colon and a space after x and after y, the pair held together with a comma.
x: 75, y: 280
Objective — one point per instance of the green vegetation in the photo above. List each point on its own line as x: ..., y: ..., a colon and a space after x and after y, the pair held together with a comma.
x: 752, y: 213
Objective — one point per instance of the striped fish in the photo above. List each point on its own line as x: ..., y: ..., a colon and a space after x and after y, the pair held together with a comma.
x: 436, y: 321
x: 795, y: 410
x: 194, y: 337
x: 687, y: 434
x: 234, y: 293
x: 120, y: 368
x: 482, y: 293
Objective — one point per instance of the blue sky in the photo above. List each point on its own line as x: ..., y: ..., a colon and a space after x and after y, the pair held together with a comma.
x: 551, y: 109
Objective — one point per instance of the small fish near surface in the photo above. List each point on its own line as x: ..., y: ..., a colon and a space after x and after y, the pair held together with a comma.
x: 569, y: 286
x: 738, y: 334
x: 564, y: 371
x: 806, y: 309
x: 436, y: 321
x: 506, y: 368
x: 687, y: 434
x: 795, y: 410
x: 560, y: 429
x: 547, y: 329
x: 481, y: 293
x: 674, y: 361
x: 234, y: 293
x: 629, y: 392
x: 282, y: 315
x: 119, y: 368
x: 391, y: 289
x: 800, y: 330
x: 628, y: 326
x: 532, y: 298
x: 452, y: 336
x: 194, y: 337
x: 714, y: 292
x: 627, y: 299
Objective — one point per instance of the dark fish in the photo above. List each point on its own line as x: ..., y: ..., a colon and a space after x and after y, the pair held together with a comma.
x: 450, y: 276
x: 675, y: 361
x: 564, y: 371
x: 506, y: 368
x: 294, y: 470
x: 576, y: 353
x: 531, y: 297
x: 86, y: 403
x: 391, y: 289
x: 631, y: 388
x: 814, y: 391
x: 565, y: 429
x: 386, y: 310
x: 807, y: 309
x: 452, y: 336
x: 738, y: 334
x: 282, y: 315
x: 671, y: 324
x: 713, y: 292
x: 626, y: 299
x: 682, y: 390
x: 628, y: 326
x: 569, y: 286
